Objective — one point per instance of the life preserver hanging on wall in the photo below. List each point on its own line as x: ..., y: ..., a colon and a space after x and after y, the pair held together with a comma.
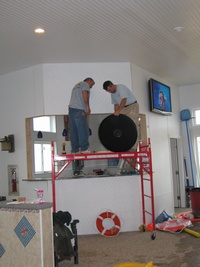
x: 108, y: 232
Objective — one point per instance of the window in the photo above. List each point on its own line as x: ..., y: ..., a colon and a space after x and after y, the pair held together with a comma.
x: 39, y: 149
x: 198, y: 149
x: 195, y: 137
x: 42, y: 149
x: 42, y: 157
x: 44, y: 124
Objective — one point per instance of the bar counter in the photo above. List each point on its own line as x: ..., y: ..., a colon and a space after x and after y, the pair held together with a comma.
x: 26, y: 234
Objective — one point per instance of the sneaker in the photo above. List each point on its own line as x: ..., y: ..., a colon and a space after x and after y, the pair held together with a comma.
x: 88, y: 151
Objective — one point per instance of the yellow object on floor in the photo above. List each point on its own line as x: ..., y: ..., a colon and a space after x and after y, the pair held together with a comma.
x: 135, y: 264
x: 191, y: 232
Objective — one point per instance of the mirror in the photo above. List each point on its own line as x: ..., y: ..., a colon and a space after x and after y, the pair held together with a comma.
x: 39, y: 149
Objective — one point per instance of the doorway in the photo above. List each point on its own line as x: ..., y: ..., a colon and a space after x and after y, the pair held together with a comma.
x: 175, y: 172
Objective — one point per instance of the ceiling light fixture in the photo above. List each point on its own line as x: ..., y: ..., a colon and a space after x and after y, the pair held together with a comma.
x: 39, y: 30
x: 178, y: 29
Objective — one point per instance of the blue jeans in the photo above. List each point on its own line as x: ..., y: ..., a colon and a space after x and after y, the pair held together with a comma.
x: 79, y: 130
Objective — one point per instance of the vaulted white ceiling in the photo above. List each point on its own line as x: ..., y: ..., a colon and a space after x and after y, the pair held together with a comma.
x: 137, y: 31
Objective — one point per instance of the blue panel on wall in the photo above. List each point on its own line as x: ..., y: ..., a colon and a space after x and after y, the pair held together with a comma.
x: 24, y: 231
x: 2, y: 250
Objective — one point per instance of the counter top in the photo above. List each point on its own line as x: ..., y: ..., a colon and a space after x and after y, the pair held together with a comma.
x: 25, y: 206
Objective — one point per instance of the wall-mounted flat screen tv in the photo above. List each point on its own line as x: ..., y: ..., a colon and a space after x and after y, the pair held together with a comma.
x: 160, y: 98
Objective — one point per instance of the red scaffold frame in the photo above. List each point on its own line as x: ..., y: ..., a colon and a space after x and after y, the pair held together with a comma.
x: 142, y: 158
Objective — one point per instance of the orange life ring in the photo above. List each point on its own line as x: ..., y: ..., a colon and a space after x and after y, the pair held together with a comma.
x: 108, y: 232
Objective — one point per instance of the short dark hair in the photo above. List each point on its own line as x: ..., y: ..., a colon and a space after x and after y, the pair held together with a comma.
x: 89, y: 79
x: 106, y: 84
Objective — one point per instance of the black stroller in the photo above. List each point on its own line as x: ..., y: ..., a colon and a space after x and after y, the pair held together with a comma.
x: 65, y: 237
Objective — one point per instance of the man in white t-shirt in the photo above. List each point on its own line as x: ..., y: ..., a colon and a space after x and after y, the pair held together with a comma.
x: 124, y: 103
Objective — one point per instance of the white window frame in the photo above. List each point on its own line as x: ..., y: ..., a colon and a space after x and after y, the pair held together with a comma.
x: 195, y: 120
x: 195, y: 134
x: 47, y: 126
x: 42, y: 159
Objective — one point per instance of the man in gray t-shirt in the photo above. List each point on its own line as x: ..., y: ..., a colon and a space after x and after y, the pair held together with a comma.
x: 79, y: 109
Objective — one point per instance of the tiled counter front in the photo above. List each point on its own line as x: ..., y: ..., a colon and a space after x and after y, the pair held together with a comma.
x: 26, y: 235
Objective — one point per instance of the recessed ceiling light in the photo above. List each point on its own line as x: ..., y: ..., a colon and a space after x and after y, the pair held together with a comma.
x: 178, y: 29
x: 39, y: 30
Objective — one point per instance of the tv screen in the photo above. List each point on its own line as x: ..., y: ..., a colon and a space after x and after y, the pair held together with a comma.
x: 160, y: 98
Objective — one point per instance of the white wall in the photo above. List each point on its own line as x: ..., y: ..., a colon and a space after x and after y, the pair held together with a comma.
x: 18, y: 101
x: 59, y: 79
x: 45, y: 90
x: 88, y: 198
x: 160, y: 130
